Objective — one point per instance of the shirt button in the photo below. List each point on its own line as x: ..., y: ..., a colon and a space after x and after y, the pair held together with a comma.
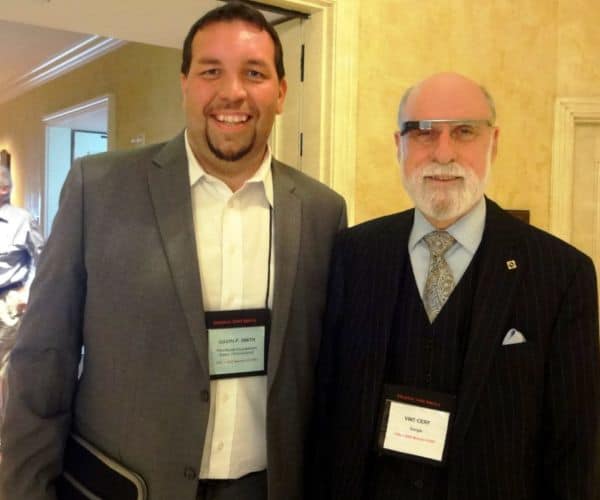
x: 418, y: 483
x: 220, y: 446
x: 189, y: 473
x: 205, y: 396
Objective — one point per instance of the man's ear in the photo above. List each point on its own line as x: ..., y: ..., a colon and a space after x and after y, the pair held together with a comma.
x: 183, y: 81
x: 399, y: 145
x: 282, y: 93
x: 495, y: 135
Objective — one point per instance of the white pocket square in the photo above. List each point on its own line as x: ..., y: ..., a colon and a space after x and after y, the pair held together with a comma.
x: 513, y: 336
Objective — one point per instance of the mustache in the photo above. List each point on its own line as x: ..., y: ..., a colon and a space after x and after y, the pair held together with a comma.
x: 447, y: 169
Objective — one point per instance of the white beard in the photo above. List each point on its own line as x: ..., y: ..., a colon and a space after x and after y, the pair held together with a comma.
x: 443, y: 203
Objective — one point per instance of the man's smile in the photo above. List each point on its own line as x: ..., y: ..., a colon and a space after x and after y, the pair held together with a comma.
x: 442, y: 178
x: 230, y: 121
x: 228, y: 118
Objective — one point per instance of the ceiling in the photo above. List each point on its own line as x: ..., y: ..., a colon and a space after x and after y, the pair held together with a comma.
x: 41, y: 39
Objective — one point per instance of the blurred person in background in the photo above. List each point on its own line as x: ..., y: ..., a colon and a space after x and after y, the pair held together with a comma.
x: 20, y: 246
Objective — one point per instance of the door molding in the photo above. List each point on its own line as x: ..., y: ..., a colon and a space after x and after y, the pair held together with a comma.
x: 334, y: 27
x: 568, y: 112
x: 68, y: 118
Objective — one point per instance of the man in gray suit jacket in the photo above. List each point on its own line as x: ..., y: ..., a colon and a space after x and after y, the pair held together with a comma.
x: 460, y: 359
x: 193, y: 274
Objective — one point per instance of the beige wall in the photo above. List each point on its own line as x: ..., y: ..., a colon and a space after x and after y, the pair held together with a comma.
x: 145, y: 82
x: 527, y: 53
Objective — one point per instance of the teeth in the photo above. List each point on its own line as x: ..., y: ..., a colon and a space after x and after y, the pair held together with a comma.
x: 444, y: 177
x: 232, y: 118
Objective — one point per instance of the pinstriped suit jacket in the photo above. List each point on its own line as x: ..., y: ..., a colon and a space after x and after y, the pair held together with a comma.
x: 120, y: 275
x: 527, y: 420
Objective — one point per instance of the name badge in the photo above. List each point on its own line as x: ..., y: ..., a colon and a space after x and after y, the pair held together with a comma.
x: 237, y: 343
x: 415, y: 424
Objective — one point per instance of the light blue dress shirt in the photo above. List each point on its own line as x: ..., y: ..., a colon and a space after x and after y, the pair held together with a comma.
x: 467, y: 231
x: 20, y: 245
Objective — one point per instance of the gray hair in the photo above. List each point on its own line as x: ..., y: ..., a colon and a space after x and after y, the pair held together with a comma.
x: 406, y: 95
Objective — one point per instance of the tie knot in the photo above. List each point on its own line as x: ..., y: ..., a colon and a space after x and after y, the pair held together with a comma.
x: 438, y: 242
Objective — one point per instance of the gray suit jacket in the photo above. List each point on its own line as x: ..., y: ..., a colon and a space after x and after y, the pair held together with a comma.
x: 120, y: 276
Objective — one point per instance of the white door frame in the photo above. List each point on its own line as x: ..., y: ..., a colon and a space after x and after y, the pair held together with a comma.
x: 333, y: 33
x: 568, y: 112
x: 58, y: 118
x: 104, y: 101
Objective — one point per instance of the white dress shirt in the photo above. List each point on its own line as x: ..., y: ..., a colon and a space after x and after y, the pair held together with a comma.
x: 232, y: 238
x: 467, y: 231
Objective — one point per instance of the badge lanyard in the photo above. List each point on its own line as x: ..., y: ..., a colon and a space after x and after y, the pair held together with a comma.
x: 269, y: 256
x: 238, y: 341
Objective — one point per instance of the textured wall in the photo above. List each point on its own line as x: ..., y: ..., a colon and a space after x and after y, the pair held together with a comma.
x: 526, y: 53
x: 144, y: 81
x: 578, y: 48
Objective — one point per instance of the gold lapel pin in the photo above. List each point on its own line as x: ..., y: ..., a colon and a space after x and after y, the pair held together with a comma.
x: 511, y: 264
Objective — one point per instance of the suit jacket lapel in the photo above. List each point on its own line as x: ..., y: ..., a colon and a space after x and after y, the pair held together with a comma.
x: 169, y: 186
x: 287, y: 222
x: 494, y: 296
x: 390, y: 260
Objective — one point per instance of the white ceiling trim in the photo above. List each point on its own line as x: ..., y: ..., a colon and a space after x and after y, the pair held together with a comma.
x: 84, y: 107
x: 71, y: 58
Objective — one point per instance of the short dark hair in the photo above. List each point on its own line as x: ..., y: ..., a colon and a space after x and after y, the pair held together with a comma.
x: 233, y: 11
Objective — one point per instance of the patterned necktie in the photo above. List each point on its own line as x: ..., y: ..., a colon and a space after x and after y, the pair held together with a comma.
x: 440, y: 282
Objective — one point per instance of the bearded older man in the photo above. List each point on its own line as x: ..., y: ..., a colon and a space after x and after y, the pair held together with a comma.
x: 460, y: 358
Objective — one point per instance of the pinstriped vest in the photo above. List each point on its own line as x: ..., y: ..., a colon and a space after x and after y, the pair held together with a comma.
x: 428, y: 356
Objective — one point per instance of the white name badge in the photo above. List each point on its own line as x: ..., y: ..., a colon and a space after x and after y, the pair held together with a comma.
x: 415, y: 424
x: 237, y: 343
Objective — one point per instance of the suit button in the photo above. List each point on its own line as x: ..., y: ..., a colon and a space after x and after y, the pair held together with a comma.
x: 190, y: 473
x: 418, y: 483
x: 205, y: 395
